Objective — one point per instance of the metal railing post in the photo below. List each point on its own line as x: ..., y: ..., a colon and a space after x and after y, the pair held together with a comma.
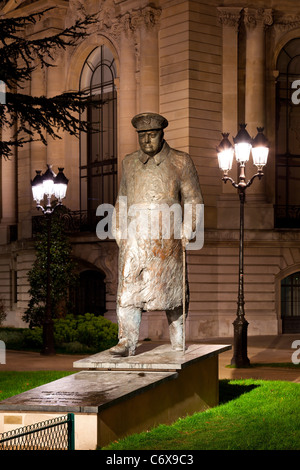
x: 71, y: 431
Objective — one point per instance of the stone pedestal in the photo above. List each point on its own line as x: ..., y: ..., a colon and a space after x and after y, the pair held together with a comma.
x: 121, y: 396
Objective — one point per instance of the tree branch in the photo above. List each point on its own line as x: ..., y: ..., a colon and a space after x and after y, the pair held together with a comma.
x: 20, y: 56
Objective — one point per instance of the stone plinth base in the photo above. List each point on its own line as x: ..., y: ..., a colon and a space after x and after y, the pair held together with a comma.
x: 152, y: 358
x: 123, y: 395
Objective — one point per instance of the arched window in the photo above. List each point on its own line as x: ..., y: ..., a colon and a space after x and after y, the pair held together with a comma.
x: 89, y: 295
x: 98, y: 148
x: 290, y: 303
x: 287, y: 213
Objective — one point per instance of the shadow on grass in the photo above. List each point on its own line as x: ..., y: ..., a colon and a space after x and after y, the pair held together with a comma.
x: 229, y: 391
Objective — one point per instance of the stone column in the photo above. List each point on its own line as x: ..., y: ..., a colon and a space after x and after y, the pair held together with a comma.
x: 55, y: 86
x: 229, y: 17
x: 149, y: 63
x: 38, y: 152
x: 127, y: 107
x: 8, y: 188
x: 259, y: 213
x: 23, y: 186
x: 255, y: 22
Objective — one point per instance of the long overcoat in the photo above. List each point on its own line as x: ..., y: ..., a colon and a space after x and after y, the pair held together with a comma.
x: 150, y: 268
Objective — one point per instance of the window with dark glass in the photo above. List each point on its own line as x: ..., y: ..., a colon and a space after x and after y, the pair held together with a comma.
x: 98, y: 147
x: 89, y: 294
x: 287, y: 209
x: 290, y: 303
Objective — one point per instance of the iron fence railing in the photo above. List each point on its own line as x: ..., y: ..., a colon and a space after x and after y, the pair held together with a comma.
x: 54, y: 434
x: 71, y: 221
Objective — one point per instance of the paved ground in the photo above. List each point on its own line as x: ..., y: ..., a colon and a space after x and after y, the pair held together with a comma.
x: 261, y: 349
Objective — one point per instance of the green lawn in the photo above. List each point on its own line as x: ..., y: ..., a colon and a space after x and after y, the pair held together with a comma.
x: 252, y: 415
x: 12, y: 383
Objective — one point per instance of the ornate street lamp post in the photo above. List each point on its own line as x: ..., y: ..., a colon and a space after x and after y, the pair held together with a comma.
x: 243, y: 144
x: 46, y: 186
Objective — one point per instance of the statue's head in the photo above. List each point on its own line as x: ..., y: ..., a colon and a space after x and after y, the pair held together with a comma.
x: 150, y: 128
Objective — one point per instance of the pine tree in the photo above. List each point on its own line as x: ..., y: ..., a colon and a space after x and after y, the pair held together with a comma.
x: 34, y: 117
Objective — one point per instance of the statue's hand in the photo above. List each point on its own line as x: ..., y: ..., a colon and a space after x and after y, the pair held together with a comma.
x: 184, y: 242
x: 186, y: 236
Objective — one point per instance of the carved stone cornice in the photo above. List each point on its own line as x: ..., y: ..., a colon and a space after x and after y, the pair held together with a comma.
x: 258, y: 18
x: 130, y: 22
x: 230, y: 16
x: 287, y: 23
x: 112, y: 22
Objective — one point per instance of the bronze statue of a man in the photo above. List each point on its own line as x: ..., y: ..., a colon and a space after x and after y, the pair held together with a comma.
x: 151, y: 268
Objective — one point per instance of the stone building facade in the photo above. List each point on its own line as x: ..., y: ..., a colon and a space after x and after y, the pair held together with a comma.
x: 206, y: 66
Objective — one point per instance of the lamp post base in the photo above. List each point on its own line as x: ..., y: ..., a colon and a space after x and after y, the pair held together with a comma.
x: 240, y: 358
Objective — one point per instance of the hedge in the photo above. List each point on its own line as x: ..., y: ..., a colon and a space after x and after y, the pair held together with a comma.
x: 74, y: 334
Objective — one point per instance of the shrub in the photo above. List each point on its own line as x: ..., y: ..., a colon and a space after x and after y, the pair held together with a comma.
x: 3, y: 313
x: 65, y: 329
x: 82, y: 334
x: 12, y: 337
x: 76, y: 348
x: 33, y: 339
x: 97, y: 332
x: 93, y: 333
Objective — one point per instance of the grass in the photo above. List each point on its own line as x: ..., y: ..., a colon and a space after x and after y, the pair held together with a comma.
x: 12, y: 383
x: 284, y: 365
x: 252, y: 415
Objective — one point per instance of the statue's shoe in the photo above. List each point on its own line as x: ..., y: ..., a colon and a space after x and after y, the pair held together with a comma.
x: 122, y: 349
